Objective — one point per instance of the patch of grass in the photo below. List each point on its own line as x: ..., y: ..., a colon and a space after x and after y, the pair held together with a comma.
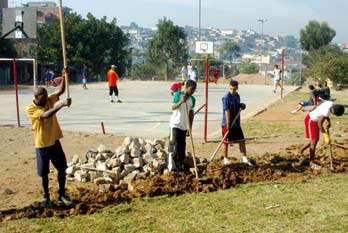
x: 262, y: 128
x: 316, y: 205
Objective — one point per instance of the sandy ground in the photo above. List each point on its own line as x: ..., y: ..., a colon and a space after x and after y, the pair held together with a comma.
x: 20, y: 186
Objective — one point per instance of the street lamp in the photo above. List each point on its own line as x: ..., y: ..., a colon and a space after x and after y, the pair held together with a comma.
x: 262, y: 22
x: 199, y: 22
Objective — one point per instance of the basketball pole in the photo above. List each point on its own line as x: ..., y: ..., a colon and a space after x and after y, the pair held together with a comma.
x: 62, y: 33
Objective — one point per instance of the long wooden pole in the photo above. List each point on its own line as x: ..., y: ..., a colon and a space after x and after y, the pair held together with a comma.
x: 225, y: 136
x: 191, y: 139
x: 62, y: 33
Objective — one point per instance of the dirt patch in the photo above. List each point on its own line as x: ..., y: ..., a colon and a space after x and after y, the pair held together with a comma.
x: 250, y: 79
x: 213, y: 176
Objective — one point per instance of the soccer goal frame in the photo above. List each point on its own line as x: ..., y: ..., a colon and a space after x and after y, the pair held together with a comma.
x: 15, y: 83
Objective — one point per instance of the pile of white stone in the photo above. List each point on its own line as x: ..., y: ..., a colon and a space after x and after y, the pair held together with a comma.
x: 121, y: 166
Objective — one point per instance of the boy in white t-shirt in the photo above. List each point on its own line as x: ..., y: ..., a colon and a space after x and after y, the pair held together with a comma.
x: 178, y: 123
x: 314, y: 125
x: 276, y: 78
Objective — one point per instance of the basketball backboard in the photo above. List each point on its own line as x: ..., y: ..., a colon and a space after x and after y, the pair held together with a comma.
x: 21, y: 18
x: 204, y: 47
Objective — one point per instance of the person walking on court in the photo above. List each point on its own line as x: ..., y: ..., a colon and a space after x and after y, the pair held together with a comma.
x: 42, y: 114
x: 48, y: 78
x: 112, y: 80
x: 231, y: 107
x: 277, y: 78
x: 84, y: 77
x: 216, y: 74
x: 179, y: 125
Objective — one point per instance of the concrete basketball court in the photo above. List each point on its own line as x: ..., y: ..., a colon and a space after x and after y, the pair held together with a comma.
x: 145, y: 109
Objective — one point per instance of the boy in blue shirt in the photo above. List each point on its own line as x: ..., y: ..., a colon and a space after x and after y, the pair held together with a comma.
x: 231, y: 107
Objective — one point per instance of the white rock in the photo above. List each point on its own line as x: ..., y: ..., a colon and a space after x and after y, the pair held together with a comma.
x: 82, y: 176
x: 128, y: 167
x: 101, y: 148
x: 138, y: 162
x: 127, y: 141
x: 125, y: 158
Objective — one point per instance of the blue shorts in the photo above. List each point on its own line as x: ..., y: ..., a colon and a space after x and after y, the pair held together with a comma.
x: 53, y: 153
x: 304, y: 103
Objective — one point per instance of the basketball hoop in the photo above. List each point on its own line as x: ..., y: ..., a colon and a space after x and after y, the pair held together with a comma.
x: 204, y: 47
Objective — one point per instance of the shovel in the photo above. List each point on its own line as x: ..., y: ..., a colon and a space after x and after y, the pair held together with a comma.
x: 191, y: 139
x: 330, y: 150
x: 225, y: 136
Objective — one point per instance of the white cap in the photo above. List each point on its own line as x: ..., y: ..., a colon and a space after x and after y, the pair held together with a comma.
x: 113, y: 66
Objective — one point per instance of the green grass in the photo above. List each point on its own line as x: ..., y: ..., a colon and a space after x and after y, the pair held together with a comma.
x: 316, y: 205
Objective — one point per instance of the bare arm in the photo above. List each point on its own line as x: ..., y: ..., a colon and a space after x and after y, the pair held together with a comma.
x: 227, y: 114
x: 57, y: 106
x: 178, y: 104
x: 321, y: 122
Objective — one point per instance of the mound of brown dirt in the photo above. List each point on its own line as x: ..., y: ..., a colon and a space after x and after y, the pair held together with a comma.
x: 213, y: 176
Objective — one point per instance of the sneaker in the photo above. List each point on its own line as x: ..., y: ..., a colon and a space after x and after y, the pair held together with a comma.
x: 65, y: 199
x: 111, y: 101
x: 119, y: 101
x: 246, y: 160
x: 46, y: 202
x: 293, y: 112
x: 315, y: 166
x: 227, y: 161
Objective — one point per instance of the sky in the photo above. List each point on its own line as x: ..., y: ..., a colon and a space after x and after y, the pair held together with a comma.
x: 284, y: 17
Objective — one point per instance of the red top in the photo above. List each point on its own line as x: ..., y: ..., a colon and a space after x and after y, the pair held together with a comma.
x: 176, y: 86
x: 216, y: 73
x: 112, y: 78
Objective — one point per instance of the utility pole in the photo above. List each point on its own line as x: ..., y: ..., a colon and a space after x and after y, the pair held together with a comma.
x: 199, y: 22
x: 263, y: 42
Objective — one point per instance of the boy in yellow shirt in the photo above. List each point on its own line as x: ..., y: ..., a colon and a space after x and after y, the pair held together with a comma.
x: 42, y: 114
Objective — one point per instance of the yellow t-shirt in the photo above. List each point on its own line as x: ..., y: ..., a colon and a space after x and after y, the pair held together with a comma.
x: 46, y: 131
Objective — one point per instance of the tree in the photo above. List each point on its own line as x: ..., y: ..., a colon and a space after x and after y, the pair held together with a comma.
x: 316, y: 35
x: 249, y: 68
x: 90, y: 41
x: 168, y: 47
x: 337, y: 70
x: 229, y: 51
x: 318, y: 61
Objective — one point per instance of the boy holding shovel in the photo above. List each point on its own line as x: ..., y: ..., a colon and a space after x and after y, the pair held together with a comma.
x: 314, y: 125
x: 231, y: 122
x: 178, y: 124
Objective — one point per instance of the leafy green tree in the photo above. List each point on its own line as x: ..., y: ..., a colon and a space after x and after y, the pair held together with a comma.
x: 229, y: 51
x: 168, y: 48
x: 316, y: 35
x: 318, y: 61
x: 337, y: 70
x: 296, y: 79
x: 142, y: 71
x: 90, y: 41
x: 249, y: 68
